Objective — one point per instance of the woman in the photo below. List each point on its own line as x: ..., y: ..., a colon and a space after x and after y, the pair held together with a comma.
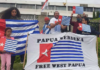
x: 93, y: 31
x: 6, y: 56
x: 12, y: 13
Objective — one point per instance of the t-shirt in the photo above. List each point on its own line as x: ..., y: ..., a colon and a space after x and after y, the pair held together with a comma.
x: 53, y: 21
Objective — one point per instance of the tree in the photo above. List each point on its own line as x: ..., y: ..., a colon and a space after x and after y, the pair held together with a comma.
x: 94, y: 14
x: 97, y: 15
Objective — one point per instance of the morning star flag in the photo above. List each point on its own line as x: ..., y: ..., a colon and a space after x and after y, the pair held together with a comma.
x: 20, y: 29
x: 78, y: 10
x: 45, y: 5
x: 84, y: 27
x: 61, y: 51
x: 64, y: 20
x: 8, y: 45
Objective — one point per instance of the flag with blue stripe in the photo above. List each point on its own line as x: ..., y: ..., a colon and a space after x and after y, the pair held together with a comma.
x: 10, y: 45
x: 65, y: 20
x: 20, y: 29
x: 79, y: 10
x: 67, y: 51
x: 86, y: 28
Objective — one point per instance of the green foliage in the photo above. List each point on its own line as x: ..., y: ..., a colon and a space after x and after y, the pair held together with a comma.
x: 17, y: 59
x: 97, y: 14
x: 99, y: 47
x: 94, y: 14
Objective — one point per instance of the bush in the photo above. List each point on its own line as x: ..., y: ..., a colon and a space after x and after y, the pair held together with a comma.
x: 99, y: 47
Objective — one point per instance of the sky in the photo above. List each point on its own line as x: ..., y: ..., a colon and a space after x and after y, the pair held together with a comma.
x: 72, y: 1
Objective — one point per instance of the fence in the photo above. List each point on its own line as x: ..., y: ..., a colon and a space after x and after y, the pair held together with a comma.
x: 95, y: 25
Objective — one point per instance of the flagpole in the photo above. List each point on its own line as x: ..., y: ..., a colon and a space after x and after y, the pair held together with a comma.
x: 67, y: 12
x: 48, y: 9
x: 25, y: 51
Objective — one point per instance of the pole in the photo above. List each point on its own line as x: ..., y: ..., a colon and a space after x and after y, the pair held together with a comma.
x: 25, y: 51
x: 97, y: 46
x: 48, y: 9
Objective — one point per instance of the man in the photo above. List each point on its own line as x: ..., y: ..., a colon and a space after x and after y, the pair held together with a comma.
x: 75, y: 24
x: 55, y: 24
x: 46, y: 25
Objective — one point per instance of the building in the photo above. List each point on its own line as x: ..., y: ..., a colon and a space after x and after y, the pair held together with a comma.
x: 32, y: 9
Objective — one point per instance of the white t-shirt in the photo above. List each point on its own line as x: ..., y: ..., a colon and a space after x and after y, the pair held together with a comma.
x: 53, y: 21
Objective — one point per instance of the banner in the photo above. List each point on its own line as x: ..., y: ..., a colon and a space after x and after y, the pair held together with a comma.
x: 61, y: 51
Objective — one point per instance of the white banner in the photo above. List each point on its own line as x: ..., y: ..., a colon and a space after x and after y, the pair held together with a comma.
x: 61, y: 51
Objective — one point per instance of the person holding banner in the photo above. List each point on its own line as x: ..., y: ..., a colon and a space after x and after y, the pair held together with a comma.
x: 55, y: 24
x: 85, y: 28
x: 5, y: 56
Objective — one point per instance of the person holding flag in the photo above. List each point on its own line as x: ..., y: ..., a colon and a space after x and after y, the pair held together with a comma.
x: 46, y: 28
x: 55, y: 24
x: 85, y: 28
x: 6, y: 56
x: 14, y: 14
x: 75, y: 24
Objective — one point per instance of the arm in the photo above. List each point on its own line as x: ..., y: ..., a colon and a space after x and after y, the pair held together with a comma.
x: 63, y: 26
x: 52, y: 23
x: 71, y: 22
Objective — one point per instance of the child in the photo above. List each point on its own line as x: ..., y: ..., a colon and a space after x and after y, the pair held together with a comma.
x: 5, y: 56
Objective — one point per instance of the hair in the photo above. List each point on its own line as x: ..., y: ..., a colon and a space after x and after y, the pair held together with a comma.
x: 79, y: 15
x: 55, y: 12
x: 7, y: 29
x: 86, y: 19
x: 7, y: 13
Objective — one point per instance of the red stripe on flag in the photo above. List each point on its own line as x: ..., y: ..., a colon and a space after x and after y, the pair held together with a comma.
x: 45, y: 52
x: 2, y: 27
x: 80, y: 25
x: 44, y: 4
x: 41, y: 32
x: 2, y: 43
x: 60, y: 19
x: 74, y: 9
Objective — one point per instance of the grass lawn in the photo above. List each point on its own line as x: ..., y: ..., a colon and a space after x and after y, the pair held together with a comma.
x: 18, y: 66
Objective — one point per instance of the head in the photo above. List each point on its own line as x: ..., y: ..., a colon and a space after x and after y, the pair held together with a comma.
x: 79, y: 19
x: 78, y: 16
x: 8, y: 31
x: 46, y: 19
x: 11, y: 12
x: 56, y: 14
x: 84, y: 15
x: 85, y: 20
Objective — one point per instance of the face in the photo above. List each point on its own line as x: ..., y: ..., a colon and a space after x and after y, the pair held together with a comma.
x: 47, y: 21
x: 78, y: 16
x: 56, y: 15
x: 84, y: 21
x: 84, y: 14
x: 13, y: 13
x: 8, y: 32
